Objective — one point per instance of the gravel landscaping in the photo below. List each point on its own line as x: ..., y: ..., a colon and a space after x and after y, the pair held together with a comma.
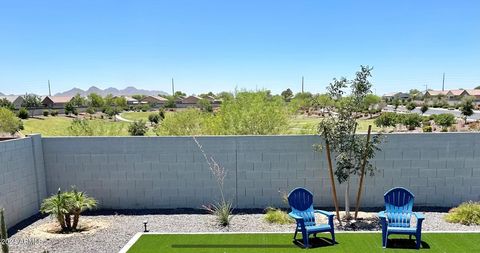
x: 114, y: 231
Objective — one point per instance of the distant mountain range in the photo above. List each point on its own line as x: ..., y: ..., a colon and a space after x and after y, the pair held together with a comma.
x: 129, y: 91
x: 1, y: 94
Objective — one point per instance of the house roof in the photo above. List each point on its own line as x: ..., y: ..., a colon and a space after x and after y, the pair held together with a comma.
x: 156, y: 98
x: 456, y: 92
x: 11, y: 98
x: 191, y: 98
x: 474, y: 92
x: 58, y: 99
x: 437, y: 92
x: 130, y: 99
x: 390, y: 94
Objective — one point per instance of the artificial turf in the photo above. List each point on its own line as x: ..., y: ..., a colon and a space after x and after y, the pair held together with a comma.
x: 346, y: 242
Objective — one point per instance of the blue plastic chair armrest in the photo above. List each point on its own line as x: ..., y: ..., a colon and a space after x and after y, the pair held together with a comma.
x: 382, y: 215
x: 294, y: 216
x: 326, y: 213
x: 419, y: 216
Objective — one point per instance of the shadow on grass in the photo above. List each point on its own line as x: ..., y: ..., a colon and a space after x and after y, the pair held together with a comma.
x: 316, y: 242
x: 398, y: 243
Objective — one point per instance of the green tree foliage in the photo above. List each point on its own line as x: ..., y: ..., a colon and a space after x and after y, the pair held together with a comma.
x: 252, y: 113
x: 396, y: 103
x: 23, y: 113
x: 370, y: 101
x: 78, y: 101
x: 224, y: 95
x: 6, y: 104
x: 161, y: 113
x: 9, y: 123
x: 179, y: 94
x: 84, y: 127
x: 205, y: 105
x: 65, y: 205
x: 70, y: 108
x: 138, y: 97
x: 302, y: 101
x: 424, y: 108
x: 445, y: 120
x: 411, y: 106
x: 171, y: 102
x: 187, y: 122
x: 287, y: 95
x: 96, y: 101
x: 46, y: 113
x: 386, y: 119
x: 154, y: 118
x: 339, y: 131
x: 467, y: 106
x: 411, y: 120
x: 137, y: 128
x: 31, y: 101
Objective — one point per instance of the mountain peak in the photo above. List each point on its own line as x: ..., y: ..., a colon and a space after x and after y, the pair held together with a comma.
x: 128, y: 91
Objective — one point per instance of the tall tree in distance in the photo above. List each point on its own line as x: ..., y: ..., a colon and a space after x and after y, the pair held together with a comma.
x: 31, y: 101
x: 467, y: 106
x: 287, y: 95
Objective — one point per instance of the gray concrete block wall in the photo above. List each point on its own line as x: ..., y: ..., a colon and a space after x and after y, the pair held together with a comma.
x: 170, y: 172
x: 20, y: 188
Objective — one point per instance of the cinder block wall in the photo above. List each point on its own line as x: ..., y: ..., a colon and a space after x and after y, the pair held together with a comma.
x: 170, y: 172
x: 22, y: 178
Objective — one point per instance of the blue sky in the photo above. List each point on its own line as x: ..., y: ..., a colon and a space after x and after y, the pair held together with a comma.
x: 220, y: 45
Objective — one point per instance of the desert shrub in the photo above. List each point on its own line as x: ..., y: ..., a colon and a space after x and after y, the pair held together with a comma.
x: 84, y: 127
x: 9, y: 123
x: 90, y: 110
x: 64, y: 206
x: 70, y: 108
x: 161, y: 113
x: 46, y: 113
x: 23, y: 113
x: 277, y: 216
x: 54, y: 113
x: 411, y: 120
x: 386, y: 119
x: 467, y: 213
x: 188, y: 122
x: 154, y: 118
x: 137, y: 128
x: 410, y: 106
x: 145, y: 108
x: 444, y: 120
x: 427, y: 129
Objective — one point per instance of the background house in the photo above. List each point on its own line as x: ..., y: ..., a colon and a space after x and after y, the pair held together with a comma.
x: 154, y: 101
x: 16, y: 101
x: 395, y: 95
x: 56, y: 102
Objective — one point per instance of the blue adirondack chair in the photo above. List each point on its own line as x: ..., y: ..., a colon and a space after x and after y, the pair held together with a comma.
x: 301, y: 203
x: 397, y: 215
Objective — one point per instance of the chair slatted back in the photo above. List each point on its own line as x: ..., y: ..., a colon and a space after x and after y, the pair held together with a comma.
x: 301, y: 203
x: 398, y: 207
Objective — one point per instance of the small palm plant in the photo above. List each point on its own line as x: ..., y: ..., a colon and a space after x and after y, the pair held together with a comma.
x: 63, y: 205
x: 57, y: 207
x: 80, y: 202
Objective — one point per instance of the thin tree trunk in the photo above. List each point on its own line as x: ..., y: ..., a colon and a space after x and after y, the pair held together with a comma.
x: 347, y: 200
x: 68, y: 223
x: 76, y: 217
x: 61, y: 221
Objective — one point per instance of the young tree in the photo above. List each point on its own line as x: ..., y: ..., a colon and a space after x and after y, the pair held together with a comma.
x: 154, y: 118
x: 411, y: 120
x: 467, y: 106
x: 386, y: 119
x: 9, y: 123
x: 224, y: 95
x: 411, y: 106
x: 349, y: 149
x: 78, y: 101
x: 6, y: 104
x: 70, y: 108
x: 31, y: 101
x: 96, y: 101
x: 287, y: 95
x: 424, y: 108
x: 445, y: 120
x: 137, y: 128
x: 205, y: 105
x: 396, y: 103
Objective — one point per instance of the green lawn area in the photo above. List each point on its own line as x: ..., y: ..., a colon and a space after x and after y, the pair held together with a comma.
x: 58, y: 126
x: 346, y: 242
x: 308, y: 125
x: 136, y: 115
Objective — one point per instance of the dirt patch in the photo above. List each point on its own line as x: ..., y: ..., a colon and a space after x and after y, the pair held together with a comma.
x: 52, y: 230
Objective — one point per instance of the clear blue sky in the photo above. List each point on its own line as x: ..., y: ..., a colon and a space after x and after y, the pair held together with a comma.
x: 217, y: 45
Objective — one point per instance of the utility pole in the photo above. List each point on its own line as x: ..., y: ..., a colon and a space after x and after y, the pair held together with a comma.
x: 426, y: 88
x: 173, y: 88
x: 302, y: 84
x: 443, y: 82
x: 49, y: 90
